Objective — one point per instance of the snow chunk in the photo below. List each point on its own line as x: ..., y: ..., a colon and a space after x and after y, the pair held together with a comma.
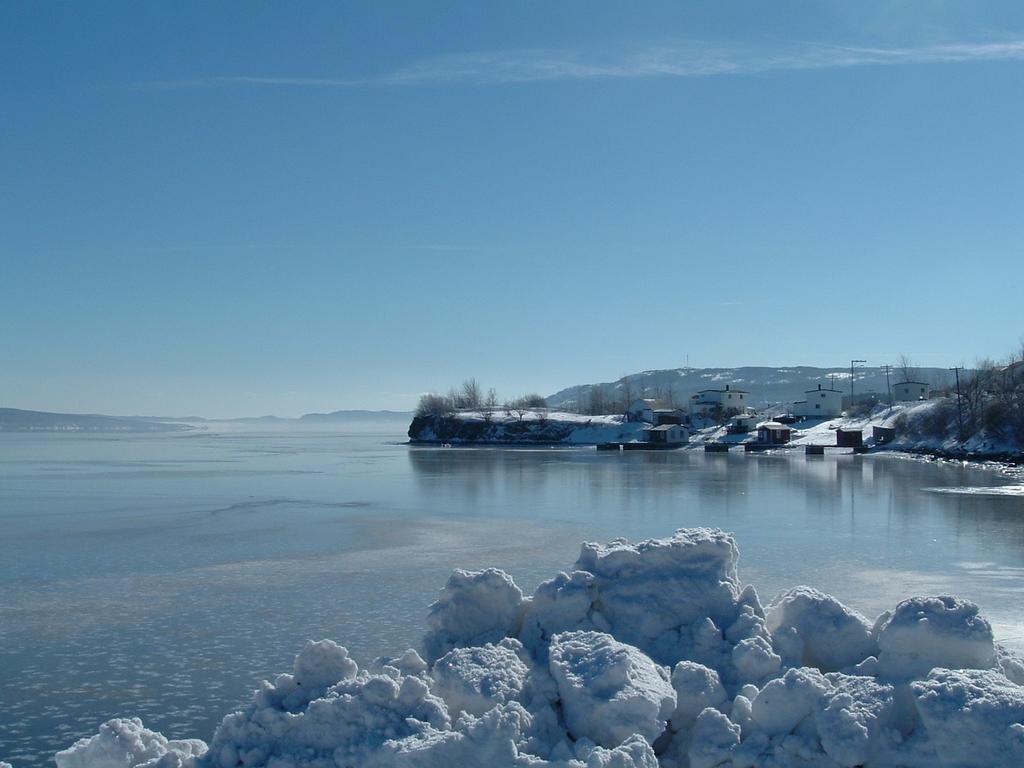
x: 475, y: 607
x: 409, y: 663
x: 322, y: 664
x: 927, y: 632
x: 697, y: 688
x: 1010, y: 664
x: 852, y: 724
x: 609, y: 690
x: 475, y: 680
x: 317, y: 667
x: 675, y: 599
x: 634, y: 752
x: 714, y: 739
x: 803, y: 719
x: 560, y: 604
x: 651, y: 588
x: 973, y: 717
x: 348, y: 724
x: 126, y: 743
x: 495, y: 740
x: 784, y: 702
x: 815, y: 630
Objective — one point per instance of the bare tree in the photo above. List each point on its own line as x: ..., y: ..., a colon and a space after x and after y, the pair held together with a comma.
x: 471, y: 397
x: 627, y: 394
x: 491, y: 402
x: 533, y: 400
x: 905, y: 367
x: 455, y: 397
x: 432, y: 404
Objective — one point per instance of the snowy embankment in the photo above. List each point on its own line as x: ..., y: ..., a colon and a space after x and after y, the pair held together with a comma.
x: 525, y: 427
x: 644, y: 655
x: 906, y: 418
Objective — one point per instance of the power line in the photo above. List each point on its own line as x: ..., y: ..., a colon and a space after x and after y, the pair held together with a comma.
x: 959, y: 405
x: 852, y: 363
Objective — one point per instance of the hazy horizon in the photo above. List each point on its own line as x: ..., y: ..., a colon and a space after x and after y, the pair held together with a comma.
x: 186, y: 414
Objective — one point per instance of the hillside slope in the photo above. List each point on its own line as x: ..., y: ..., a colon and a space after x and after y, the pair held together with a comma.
x: 766, y: 385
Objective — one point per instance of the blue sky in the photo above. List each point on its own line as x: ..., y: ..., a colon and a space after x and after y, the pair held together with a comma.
x: 246, y: 208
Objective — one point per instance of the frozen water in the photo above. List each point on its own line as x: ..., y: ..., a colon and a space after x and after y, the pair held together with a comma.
x: 164, y: 576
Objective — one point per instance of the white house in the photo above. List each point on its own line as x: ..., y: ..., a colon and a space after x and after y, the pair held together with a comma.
x: 708, y: 400
x: 652, y: 411
x: 820, y: 403
x: 910, y: 390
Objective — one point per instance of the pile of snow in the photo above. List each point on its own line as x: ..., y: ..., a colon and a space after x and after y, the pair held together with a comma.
x: 126, y: 743
x: 645, y: 654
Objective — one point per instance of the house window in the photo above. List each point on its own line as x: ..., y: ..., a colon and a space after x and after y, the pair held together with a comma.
x: 818, y: 406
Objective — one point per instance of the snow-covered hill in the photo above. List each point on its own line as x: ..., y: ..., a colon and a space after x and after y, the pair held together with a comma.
x: 766, y: 385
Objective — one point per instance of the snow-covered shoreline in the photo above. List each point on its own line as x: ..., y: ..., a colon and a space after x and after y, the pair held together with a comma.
x: 644, y: 654
x: 528, y: 427
x: 536, y: 427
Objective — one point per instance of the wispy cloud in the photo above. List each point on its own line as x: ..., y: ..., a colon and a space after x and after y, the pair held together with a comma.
x: 690, y: 59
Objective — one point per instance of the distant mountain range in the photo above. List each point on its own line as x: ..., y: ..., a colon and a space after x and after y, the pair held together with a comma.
x: 364, y: 416
x: 16, y: 420
x: 767, y: 386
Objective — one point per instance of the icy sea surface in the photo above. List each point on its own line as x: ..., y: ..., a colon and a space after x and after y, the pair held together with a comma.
x: 165, y: 575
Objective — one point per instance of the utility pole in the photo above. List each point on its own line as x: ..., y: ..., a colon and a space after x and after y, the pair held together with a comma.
x: 959, y: 404
x: 888, y: 369
x: 853, y: 363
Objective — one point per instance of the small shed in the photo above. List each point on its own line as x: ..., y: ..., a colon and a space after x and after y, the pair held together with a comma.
x: 774, y: 433
x: 741, y: 424
x: 849, y: 438
x: 667, y: 434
